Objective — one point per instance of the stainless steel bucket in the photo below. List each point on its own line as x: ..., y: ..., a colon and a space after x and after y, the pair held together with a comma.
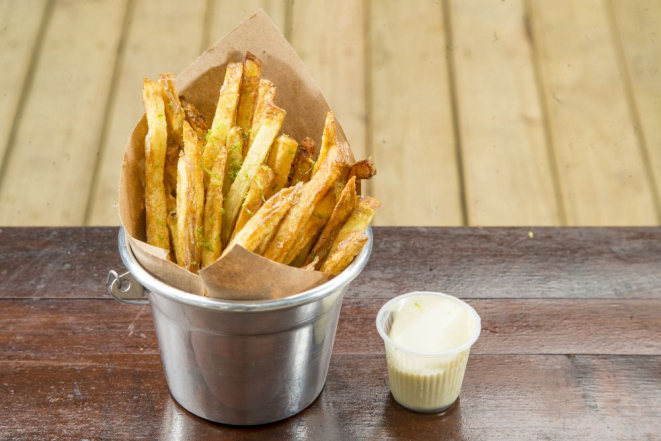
x: 240, y: 362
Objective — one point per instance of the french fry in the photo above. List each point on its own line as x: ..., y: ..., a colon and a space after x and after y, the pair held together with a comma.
x: 266, y: 220
x: 234, y: 157
x: 265, y: 97
x: 341, y: 257
x: 312, y: 265
x: 280, y: 249
x: 172, y: 226
x: 363, y: 169
x: 349, y: 236
x: 209, y: 237
x: 155, y: 147
x: 343, y: 209
x: 193, y: 152
x: 171, y: 160
x: 303, y: 164
x: 185, y: 247
x: 255, y: 197
x: 252, y: 70
x: 194, y: 118
x: 174, y: 113
x: 268, y: 130
x: 223, y: 120
x: 280, y: 160
x: 328, y: 139
x: 320, y: 215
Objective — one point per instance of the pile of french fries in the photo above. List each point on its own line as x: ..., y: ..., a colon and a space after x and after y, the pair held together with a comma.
x: 240, y: 182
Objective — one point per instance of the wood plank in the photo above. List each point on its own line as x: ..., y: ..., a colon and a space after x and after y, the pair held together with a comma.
x: 39, y: 329
x: 636, y: 24
x: 51, y: 163
x: 411, y: 130
x: 608, y: 263
x: 162, y: 37
x: 225, y: 15
x: 507, y: 172
x: 330, y: 38
x: 20, y: 23
x: 547, y: 397
x: 602, y: 174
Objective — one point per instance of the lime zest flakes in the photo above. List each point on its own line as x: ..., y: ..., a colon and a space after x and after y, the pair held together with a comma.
x: 208, y: 135
x: 209, y: 172
x: 213, y: 217
x: 531, y: 234
x: 235, y: 168
x: 202, y: 240
x: 158, y: 164
x: 236, y: 146
x: 418, y: 305
x: 318, y: 216
x: 160, y: 115
x: 250, y: 211
x: 222, y: 211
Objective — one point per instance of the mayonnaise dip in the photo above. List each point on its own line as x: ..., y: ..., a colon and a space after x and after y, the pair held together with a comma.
x: 430, y: 337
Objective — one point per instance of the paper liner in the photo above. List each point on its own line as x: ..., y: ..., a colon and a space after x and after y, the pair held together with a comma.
x: 240, y: 275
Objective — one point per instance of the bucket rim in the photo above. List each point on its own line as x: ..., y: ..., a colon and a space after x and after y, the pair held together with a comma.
x: 157, y: 287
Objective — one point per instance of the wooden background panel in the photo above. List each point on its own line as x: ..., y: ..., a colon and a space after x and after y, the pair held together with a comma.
x: 469, y: 263
x: 161, y: 37
x: 508, y: 171
x: 51, y: 162
x: 225, y: 15
x: 603, y: 177
x: 22, y: 23
x: 330, y: 39
x: 636, y: 26
x: 411, y: 129
x: 503, y: 397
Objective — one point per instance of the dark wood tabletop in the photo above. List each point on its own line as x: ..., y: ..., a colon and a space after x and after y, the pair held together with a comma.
x: 570, y: 345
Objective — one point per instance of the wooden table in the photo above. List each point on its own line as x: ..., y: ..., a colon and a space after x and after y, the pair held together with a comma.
x: 570, y: 345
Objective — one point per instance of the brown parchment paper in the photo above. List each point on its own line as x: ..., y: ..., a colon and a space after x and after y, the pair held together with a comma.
x: 240, y: 275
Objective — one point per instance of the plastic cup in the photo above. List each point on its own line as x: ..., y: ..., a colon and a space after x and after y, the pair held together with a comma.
x: 424, y: 381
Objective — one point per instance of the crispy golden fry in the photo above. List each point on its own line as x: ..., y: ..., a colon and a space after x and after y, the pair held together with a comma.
x: 186, y: 247
x: 174, y: 113
x: 155, y: 147
x: 255, y: 197
x: 262, y: 246
x: 172, y: 226
x: 268, y: 130
x: 223, y: 120
x: 341, y: 256
x: 209, y: 237
x: 194, y: 118
x: 265, y: 97
x: 312, y: 265
x: 312, y: 229
x: 252, y: 70
x: 303, y: 164
x: 280, y: 249
x: 171, y: 160
x: 266, y: 220
x: 344, y: 207
x: 234, y: 157
x: 328, y: 139
x: 280, y: 160
x: 193, y: 152
x: 350, y: 233
x: 363, y: 169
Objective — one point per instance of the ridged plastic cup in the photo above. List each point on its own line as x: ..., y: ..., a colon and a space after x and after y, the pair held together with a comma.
x: 426, y: 382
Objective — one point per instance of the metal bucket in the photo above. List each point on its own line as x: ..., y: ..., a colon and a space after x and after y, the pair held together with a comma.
x: 240, y: 362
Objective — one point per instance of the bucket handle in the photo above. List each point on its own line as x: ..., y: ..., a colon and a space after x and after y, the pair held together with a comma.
x: 126, y: 289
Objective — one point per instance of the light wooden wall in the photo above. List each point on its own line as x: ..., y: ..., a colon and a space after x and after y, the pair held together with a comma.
x: 477, y: 112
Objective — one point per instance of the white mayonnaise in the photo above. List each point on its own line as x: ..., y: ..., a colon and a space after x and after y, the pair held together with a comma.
x: 430, y: 337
